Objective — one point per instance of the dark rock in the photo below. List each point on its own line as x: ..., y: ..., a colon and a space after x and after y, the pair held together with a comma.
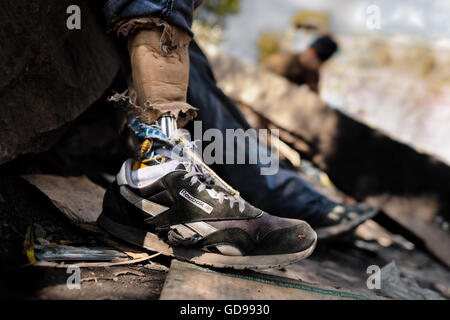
x: 39, y: 231
x: 50, y: 74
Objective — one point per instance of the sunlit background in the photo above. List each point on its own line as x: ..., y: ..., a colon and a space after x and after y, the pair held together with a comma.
x: 419, y: 19
x: 395, y: 77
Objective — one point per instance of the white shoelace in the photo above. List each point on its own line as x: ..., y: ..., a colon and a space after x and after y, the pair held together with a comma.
x: 208, y: 183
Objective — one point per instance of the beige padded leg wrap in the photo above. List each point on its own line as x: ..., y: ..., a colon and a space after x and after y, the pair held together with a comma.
x: 160, y: 70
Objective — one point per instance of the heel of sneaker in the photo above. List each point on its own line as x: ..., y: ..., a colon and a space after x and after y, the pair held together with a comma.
x: 113, y: 206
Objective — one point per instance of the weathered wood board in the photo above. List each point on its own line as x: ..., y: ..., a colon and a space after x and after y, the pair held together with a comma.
x: 186, y: 281
x: 77, y: 197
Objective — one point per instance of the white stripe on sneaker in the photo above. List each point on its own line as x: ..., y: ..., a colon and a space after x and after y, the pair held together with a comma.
x: 186, y: 230
x: 149, y: 207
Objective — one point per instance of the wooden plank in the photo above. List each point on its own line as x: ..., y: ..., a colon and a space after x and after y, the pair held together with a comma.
x: 77, y: 197
x: 190, y: 282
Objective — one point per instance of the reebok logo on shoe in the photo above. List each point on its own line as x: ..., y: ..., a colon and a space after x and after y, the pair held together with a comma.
x: 197, y: 202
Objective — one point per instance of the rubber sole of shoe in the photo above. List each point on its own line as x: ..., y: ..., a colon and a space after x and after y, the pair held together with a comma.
x: 152, y: 242
x: 332, y: 231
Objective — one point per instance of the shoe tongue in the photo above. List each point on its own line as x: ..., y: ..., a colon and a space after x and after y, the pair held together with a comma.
x: 181, y: 167
x: 186, y: 166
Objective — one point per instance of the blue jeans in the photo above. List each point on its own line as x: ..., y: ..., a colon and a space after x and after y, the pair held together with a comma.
x: 283, y: 194
x: 176, y: 12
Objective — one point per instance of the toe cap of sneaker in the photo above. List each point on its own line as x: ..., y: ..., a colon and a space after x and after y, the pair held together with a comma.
x: 292, y: 239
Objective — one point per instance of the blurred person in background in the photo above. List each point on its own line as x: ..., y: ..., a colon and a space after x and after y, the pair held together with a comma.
x: 303, y: 68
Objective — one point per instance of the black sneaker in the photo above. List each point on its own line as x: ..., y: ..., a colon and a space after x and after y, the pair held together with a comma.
x: 177, y: 209
x: 341, y: 218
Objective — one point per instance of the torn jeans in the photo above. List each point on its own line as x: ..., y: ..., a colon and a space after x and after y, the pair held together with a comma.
x: 177, y: 13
